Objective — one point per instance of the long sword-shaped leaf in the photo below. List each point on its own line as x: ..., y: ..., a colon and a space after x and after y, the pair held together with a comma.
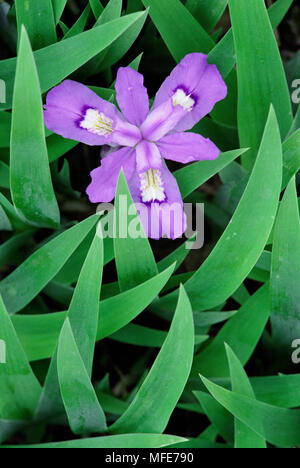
x: 30, y: 179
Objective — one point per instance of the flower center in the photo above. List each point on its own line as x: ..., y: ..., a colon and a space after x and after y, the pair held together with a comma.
x: 152, y: 187
x: 184, y: 100
x: 97, y: 122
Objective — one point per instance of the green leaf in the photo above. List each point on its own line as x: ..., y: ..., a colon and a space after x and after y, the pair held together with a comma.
x: 80, y: 24
x: 244, y: 239
x: 19, y: 387
x: 123, y: 43
x: 38, y: 19
x: 155, y: 401
x: 280, y: 426
x: 291, y: 157
x: 12, y: 215
x: 39, y: 333
x: 58, y: 8
x: 134, y: 257
x: 114, y: 442
x: 142, y: 336
x: 4, y: 175
x: 244, y: 437
x: 261, y: 77
x: 83, y: 317
x: 112, y: 11
x: 69, y: 55
x: 279, y: 390
x: 24, y: 283
x: 31, y: 186
x: 81, y: 403
x: 207, y: 12
x: 5, y: 126
x: 5, y: 224
x: 223, y: 54
x: 285, y: 274
x: 10, y: 250
x: 220, y: 418
x: 96, y: 7
x: 241, y: 332
x: 193, y: 175
x: 58, y: 146
x: 180, y: 31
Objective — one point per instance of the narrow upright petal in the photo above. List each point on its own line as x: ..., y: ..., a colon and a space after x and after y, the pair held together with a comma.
x: 162, y: 120
x: 147, y: 156
x: 105, y: 177
x: 76, y: 112
x: 193, y: 83
x: 187, y: 147
x: 132, y: 95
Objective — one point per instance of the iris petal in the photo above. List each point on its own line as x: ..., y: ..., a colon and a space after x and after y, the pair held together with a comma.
x: 66, y: 107
x: 187, y: 147
x: 132, y: 95
x: 199, y: 80
x: 105, y: 177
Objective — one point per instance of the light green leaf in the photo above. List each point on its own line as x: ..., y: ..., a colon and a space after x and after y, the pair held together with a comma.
x: 24, y: 283
x: 31, y: 186
x: 39, y: 333
x: 155, y: 401
x: 114, y: 442
x: 291, y: 157
x: 83, y: 318
x: 244, y: 437
x: 261, y: 77
x: 220, y: 418
x: 193, y: 175
x: 19, y: 387
x: 81, y: 403
x: 69, y: 55
x: 58, y: 8
x: 280, y: 426
x: 38, y: 19
x: 285, y: 273
x: 244, y: 239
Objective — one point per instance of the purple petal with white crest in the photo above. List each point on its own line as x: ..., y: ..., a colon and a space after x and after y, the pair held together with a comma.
x: 66, y: 107
x: 165, y: 219
x: 199, y: 80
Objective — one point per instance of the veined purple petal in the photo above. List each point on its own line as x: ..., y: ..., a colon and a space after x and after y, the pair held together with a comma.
x: 165, y: 219
x: 162, y: 120
x: 187, y: 147
x: 105, y: 177
x: 67, y: 107
x: 199, y: 81
x: 147, y: 156
x: 132, y: 95
x: 125, y: 134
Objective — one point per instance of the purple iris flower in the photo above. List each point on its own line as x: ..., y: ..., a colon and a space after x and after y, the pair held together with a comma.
x: 140, y: 139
